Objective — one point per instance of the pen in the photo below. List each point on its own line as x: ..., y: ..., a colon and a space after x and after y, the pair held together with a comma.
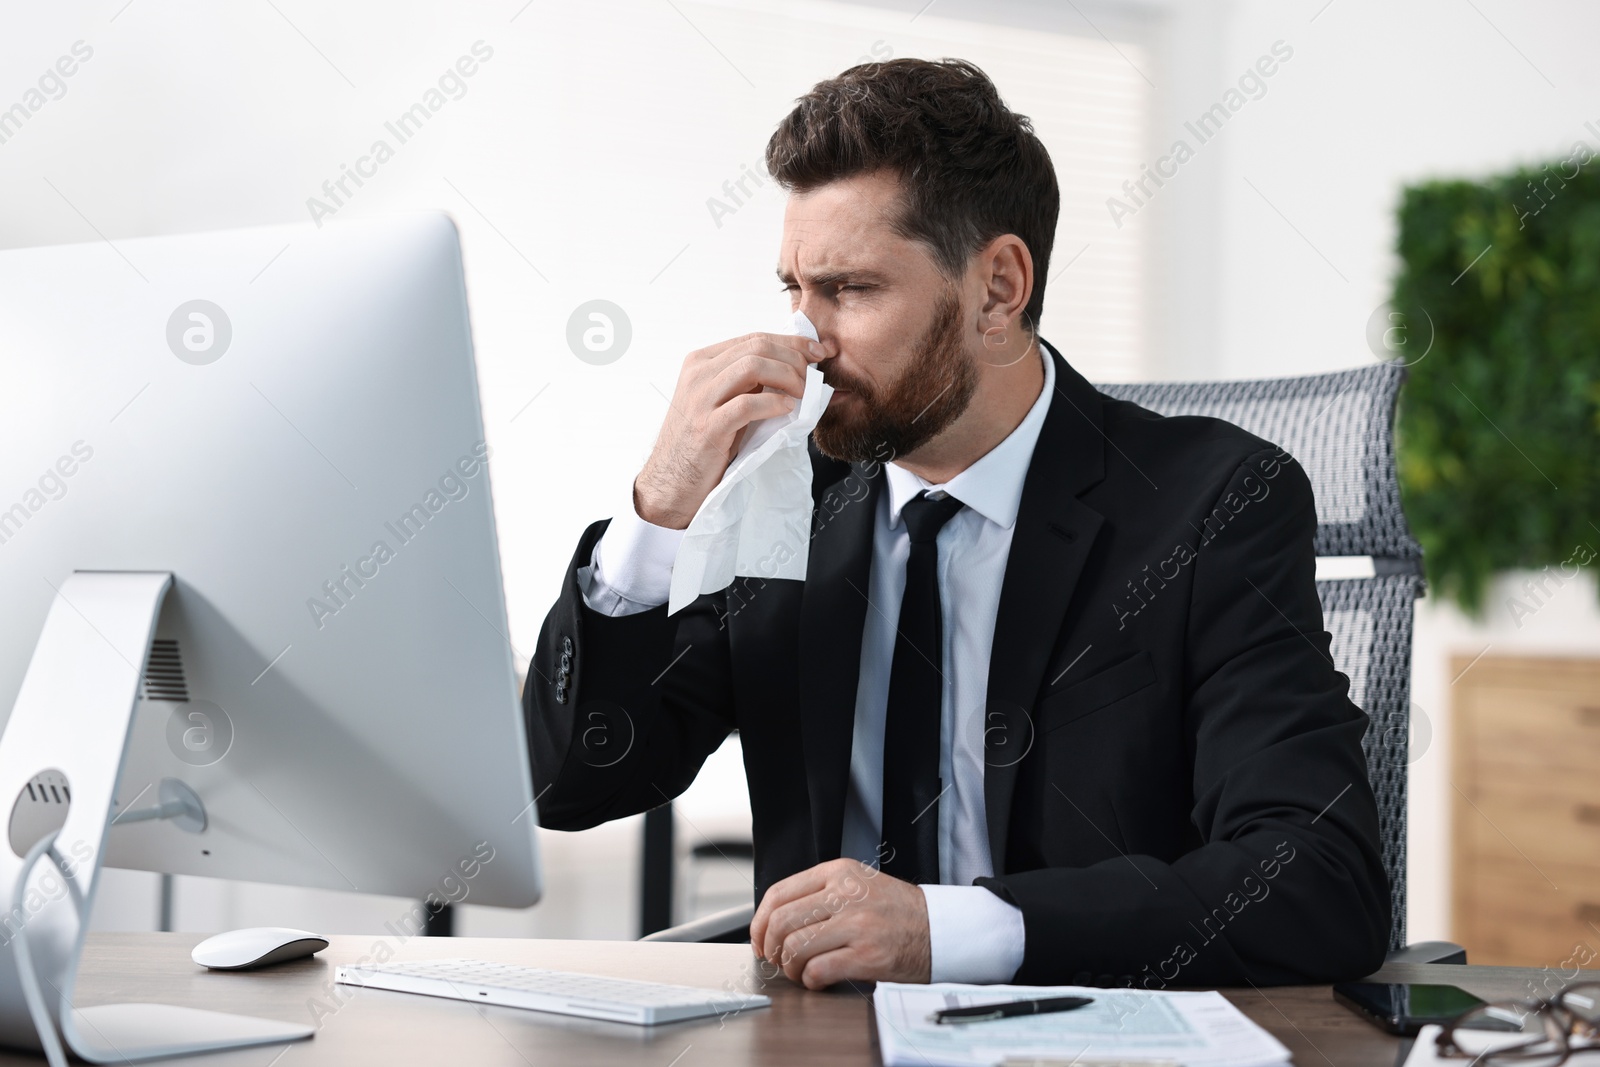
x: 1009, y: 1009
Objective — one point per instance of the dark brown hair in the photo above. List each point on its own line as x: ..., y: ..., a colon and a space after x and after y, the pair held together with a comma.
x: 972, y: 168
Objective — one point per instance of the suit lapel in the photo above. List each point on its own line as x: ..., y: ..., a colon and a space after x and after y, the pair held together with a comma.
x: 832, y: 615
x: 1052, y: 538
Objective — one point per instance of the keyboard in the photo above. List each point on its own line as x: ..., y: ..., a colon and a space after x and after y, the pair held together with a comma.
x: 563, y: 992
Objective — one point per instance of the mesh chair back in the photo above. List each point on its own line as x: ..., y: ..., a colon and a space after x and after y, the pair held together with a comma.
x: 1340, y: 428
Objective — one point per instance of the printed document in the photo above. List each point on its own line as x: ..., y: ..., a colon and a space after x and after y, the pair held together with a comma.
x: 1201, y: 1029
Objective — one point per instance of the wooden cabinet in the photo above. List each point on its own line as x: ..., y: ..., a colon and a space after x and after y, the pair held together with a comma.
x: 1526, y: 809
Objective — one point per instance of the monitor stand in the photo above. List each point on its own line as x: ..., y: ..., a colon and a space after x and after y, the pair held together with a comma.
x: 72, y: 718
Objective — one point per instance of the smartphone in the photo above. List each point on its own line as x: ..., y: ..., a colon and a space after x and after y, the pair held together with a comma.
x: 1402, y: 1007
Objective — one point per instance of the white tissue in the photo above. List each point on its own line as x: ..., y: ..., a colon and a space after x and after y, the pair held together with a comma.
x: 757, y: 521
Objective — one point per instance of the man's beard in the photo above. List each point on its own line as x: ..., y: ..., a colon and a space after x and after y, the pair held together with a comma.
x: 884, y: 424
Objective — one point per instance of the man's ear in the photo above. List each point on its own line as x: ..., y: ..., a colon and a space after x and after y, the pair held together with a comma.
x: 1004, y: 273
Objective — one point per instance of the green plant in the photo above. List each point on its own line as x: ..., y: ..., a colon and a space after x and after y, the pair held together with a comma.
x: 1499, y: 423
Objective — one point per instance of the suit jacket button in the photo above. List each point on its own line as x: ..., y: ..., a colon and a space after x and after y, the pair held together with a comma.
x: 561, y: 691
x: 566, y: 646
x: 1081, y: 978
x: 566, y: 661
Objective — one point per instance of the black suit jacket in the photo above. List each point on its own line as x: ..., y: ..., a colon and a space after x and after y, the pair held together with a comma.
x: 1175, y: 785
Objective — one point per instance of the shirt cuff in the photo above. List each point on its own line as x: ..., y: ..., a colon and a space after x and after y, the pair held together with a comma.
x: 973, y: 935
x: 631, y: 569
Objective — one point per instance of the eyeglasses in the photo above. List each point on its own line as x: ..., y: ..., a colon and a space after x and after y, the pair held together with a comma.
x: 1527, y: 1033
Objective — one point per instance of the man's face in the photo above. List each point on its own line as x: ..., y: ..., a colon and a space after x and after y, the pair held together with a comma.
x: 900, y: 370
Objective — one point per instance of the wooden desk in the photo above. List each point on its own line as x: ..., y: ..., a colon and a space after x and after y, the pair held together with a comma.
x: 368, y: 1026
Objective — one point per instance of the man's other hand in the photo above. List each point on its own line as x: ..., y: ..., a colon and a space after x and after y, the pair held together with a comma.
x: 844, y: 920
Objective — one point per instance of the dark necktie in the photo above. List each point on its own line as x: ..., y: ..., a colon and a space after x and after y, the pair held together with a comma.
x: 911, y: 786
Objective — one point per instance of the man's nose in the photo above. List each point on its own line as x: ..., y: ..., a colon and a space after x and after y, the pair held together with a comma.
x: 816, y: 310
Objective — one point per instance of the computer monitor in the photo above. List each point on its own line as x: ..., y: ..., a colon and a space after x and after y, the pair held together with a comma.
x: 286, y: 420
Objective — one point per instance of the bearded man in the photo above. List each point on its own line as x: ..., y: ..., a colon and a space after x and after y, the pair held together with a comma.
x: 1054, y: 702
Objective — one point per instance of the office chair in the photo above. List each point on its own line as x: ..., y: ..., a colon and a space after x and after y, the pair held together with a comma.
x: 1340, y: 427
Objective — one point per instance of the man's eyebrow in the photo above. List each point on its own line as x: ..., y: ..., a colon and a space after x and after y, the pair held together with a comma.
x: 834, y: 276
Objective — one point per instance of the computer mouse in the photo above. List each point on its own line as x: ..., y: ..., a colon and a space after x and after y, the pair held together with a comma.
x: 259, y: 946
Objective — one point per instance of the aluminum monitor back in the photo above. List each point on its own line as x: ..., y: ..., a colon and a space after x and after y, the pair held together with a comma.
x: 286, y: 419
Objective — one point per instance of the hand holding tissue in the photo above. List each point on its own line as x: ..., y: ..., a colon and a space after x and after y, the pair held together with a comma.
x: 757, y: 521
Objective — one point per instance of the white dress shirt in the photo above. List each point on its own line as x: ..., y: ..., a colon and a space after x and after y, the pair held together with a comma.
x: 975, y: 936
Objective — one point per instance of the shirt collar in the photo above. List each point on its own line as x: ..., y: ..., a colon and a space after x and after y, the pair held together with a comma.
x: 992, y: 486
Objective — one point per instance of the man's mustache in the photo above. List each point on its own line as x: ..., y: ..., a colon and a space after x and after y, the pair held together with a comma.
x: 839, y: 381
